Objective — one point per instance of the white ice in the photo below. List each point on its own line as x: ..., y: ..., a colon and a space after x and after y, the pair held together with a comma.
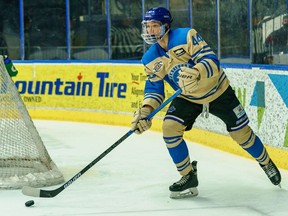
x: 134, y: 178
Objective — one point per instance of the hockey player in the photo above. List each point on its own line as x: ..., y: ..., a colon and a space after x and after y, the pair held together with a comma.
x: 182, y: 58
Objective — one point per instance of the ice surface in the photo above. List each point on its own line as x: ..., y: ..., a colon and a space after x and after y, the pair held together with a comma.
x: 134, y: 178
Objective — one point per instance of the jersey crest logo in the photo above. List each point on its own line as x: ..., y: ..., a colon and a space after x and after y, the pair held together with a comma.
x: 158, y: 66
x: 179, y: 52
x: 174, y: 72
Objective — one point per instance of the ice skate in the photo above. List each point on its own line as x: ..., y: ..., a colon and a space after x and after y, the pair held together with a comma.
x: 272, y: 172
x: 186, y: 186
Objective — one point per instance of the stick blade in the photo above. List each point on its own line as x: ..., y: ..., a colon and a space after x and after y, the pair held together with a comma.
x: 30, y: 191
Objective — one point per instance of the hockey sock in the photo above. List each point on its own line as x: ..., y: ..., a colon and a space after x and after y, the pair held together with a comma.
x: 179, y: 153
x: 257, y: 150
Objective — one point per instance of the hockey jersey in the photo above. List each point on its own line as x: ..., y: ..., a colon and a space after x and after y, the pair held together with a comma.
x: 185, y: 48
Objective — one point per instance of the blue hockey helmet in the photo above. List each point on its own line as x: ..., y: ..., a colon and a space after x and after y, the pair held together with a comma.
x: 161, y: 15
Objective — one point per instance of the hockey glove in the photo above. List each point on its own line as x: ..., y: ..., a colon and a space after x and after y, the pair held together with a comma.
x: 139, y: 124
x: 188, y: 79
x: 12, y: 71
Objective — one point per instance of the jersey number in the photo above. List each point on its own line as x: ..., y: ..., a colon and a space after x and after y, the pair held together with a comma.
x: 196, y: 40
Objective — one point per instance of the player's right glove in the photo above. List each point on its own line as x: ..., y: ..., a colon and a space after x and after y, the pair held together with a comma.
x: 139, y: 123
x: 188, y: 79
x: 10, y: 67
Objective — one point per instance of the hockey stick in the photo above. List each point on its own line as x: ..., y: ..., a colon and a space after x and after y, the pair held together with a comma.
x: 37, y: 192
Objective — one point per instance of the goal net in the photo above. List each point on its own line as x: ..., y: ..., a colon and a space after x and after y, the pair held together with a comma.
x: 24, y: 160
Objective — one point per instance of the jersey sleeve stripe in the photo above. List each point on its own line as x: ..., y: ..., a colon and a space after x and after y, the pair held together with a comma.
x: 208, y: 68
x: 194, y: 56
x: 153, y: 96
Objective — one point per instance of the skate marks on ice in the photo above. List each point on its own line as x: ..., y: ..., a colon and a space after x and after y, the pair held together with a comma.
x: 134, y: 178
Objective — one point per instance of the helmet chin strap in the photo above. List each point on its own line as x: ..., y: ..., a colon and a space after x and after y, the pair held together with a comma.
x: 160, y: 38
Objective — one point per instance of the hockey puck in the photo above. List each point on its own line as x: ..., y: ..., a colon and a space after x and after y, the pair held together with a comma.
x: 29, y: 203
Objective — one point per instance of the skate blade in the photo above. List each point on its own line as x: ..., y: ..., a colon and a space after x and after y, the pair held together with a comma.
x: 191, y: 192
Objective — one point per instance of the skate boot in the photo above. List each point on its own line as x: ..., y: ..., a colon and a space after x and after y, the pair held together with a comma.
x: 272, y: 172
x: 186, y: 186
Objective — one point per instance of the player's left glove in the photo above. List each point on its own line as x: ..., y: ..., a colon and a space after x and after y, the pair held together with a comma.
x: 139, y: 123
x: 10, y: 67
x: 188, y: 79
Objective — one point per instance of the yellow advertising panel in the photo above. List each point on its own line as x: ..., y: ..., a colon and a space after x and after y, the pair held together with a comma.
x: 101, y: 88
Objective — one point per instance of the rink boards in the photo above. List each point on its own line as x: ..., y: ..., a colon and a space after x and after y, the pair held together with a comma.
x: 109, y: 93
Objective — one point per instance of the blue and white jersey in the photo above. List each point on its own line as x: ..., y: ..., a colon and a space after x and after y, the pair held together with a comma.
x: 185, y: 48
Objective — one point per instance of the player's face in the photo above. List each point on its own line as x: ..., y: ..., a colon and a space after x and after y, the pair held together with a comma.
x: 153, y: 28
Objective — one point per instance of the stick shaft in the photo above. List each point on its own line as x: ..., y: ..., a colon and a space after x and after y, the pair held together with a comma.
x: 36, y: 192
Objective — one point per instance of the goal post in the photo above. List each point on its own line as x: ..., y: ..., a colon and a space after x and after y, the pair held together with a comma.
x: 24, y: 160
